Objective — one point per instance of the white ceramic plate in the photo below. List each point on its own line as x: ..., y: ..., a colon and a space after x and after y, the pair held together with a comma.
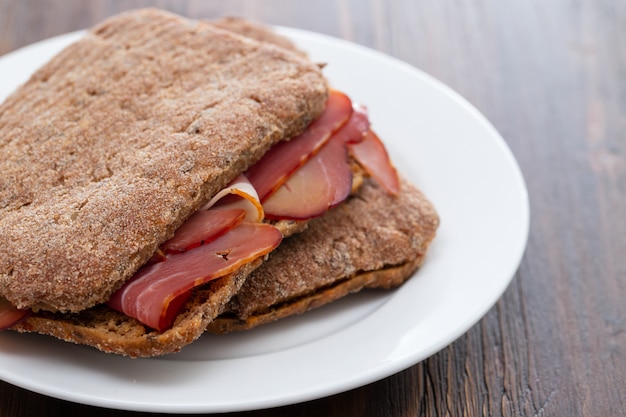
x: 443, y: 145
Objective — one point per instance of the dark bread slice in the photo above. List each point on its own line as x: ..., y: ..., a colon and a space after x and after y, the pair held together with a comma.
x: 113, y: 332
x: 374, y: 240
x: 110, y: 146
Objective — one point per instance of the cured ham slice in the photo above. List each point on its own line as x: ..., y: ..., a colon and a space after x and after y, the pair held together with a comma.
x: 203, y: 227
x: 286, y: 157
x: 356, y: 128
x: 152, y: 295
x: 373, y: 157
x: 319, y: 185
x: 324, y: 181
x: 239, y: 194
x: 232, y: 205
x: 9, y: 314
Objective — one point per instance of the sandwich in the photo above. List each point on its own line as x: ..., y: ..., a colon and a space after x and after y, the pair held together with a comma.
x: 153, y: 165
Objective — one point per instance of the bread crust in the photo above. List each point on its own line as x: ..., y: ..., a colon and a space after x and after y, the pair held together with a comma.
x: 110, y: 146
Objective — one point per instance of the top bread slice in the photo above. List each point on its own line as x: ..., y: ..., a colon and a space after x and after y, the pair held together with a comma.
x: 110, y: 146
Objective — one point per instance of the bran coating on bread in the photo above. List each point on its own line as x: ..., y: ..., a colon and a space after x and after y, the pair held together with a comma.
x: 374, y: 240
x: 110, y: 146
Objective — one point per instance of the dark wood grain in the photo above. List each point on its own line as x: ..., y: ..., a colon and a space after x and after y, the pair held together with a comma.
x: 551, y: 77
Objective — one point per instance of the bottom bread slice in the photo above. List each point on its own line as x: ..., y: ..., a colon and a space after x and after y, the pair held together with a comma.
x: 113, y: 332
x: 374, y: 240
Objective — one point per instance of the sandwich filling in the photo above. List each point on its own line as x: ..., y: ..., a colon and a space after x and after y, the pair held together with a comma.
x: 296, y: 180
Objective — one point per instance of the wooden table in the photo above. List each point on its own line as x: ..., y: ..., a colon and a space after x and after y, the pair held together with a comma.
x: 551, y: 77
